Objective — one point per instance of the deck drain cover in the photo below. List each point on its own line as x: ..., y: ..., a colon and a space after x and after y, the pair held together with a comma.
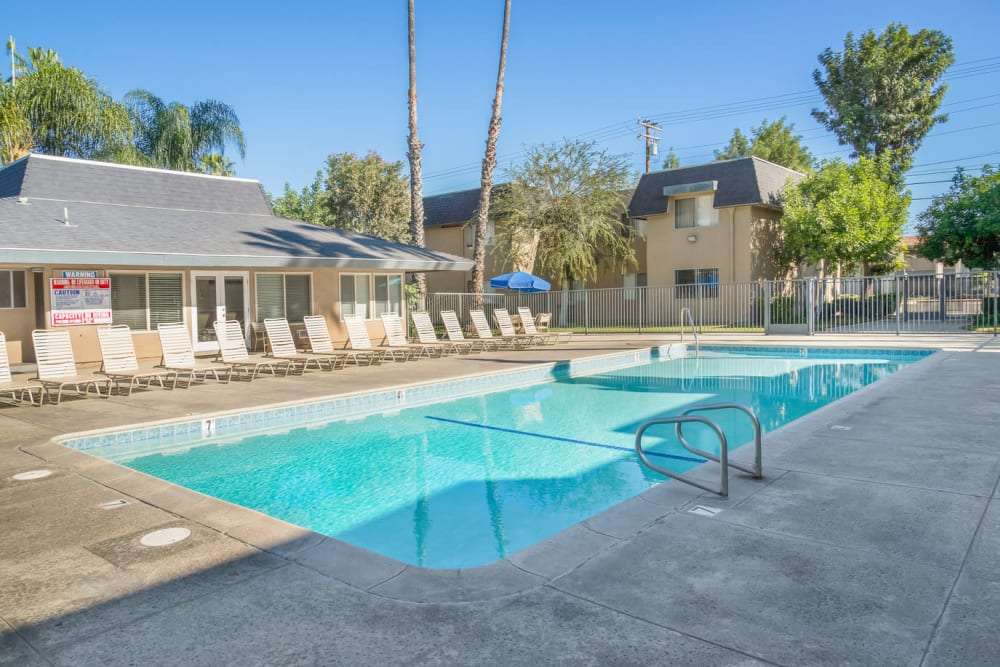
x: 703, y: 510
x: 112, y: 504
x: 165, y: 536
x: 31, y: 474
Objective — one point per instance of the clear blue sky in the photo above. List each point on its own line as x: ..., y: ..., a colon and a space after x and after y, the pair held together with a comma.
x: 309, y: 79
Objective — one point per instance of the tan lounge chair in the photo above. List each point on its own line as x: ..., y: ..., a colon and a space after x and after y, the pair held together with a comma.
x: 57, y: 366
x: 395, y: 336
x: 18, y: 386
x: 453, y: 328
x: 427, y: 336
x: 508, y: 331
x: 282, y: 346
x: 233, y: 352
x: 543, y: 323
x: 320, y: 343
x: 178, y: 356
x: 120, y: 364
x: 357, y: 338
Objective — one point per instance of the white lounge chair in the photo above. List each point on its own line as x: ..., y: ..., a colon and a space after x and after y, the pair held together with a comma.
x: 320, y: 343
x: 233, y: 352
x: 18, y: 386
x: 546, y: 337
x: 508, y: 331
x: 120, y: 363
x: 178, y: 356
x: 453, y: 328
x: 282, y: 346
x: 358, y: 339
x: 485, y: 332
x: 542, y: 325
x: 57, y: 366
x: 427, y: 336
x: 395, y: 336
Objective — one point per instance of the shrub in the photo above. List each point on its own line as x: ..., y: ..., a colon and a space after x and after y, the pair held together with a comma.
x: 786, y: 310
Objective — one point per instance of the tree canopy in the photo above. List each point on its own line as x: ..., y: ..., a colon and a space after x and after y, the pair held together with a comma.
x: 775, y: 142
x: 964, y: 224
x: 306, y: 204
x: 882, y: 92
x: 175, y: 136
x: 575, y: 196
x: 367, y: 195
x: 671, y: 161
x: 58, y: 110
x: 844, y: 214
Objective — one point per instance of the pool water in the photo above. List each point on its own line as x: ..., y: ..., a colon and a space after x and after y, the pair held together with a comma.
x: 470, y: 481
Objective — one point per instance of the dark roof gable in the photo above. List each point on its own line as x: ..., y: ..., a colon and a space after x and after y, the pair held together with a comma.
x: 740, y: 182
x: 450, y: 208
x: 69, y: 180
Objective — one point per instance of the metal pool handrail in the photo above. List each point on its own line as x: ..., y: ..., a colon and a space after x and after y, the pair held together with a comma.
x: 723, y: 458
x: 694, y: 330
x: 756, y: 471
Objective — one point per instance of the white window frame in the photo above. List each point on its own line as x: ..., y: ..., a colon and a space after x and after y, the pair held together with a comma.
x: 13, y: 295
x: 370, y: 313
x: 284, y: 290
x: 402, y: 294
x: 146, y: 274
x: 705, y: 213
x: 469, y: 231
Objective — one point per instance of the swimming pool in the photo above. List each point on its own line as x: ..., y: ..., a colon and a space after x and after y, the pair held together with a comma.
x: 470, y: 481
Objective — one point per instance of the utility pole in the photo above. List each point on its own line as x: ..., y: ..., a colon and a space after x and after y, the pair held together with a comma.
x: 652, y: 141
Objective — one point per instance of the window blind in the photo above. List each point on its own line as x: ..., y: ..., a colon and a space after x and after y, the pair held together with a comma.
x: 270, y: 296
x: 128, y: 300
x: 166, y: 299
x: 298, y: 300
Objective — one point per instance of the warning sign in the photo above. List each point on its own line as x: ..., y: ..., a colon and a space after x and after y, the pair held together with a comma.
x: 81, y: 301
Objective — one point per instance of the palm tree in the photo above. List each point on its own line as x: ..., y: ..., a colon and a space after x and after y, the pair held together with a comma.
x: 489, y: 162
x: 67, y: 113
x: 416, y: 176
x: 216, y: 164
x: 174, y: 136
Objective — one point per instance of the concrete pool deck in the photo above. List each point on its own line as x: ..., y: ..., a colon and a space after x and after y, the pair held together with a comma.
x: 873, y: 539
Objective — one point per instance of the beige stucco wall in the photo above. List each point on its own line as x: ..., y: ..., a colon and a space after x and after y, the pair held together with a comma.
x: 18, y: 324
x: 450, y: 240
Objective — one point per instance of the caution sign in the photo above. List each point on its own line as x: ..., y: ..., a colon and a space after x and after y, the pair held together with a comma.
x: 81, y: 301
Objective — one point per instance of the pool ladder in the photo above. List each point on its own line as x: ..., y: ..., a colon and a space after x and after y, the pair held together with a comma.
x: 694, y: 330
x: 686, y: 417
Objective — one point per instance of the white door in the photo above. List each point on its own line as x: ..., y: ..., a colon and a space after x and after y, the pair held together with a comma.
x: 217, y: 296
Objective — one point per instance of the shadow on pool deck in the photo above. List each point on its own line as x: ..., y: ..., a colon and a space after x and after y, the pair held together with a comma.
x: 874, y: 545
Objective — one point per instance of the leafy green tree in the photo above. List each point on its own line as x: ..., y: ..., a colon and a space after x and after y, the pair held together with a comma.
x: 65, y: 112
x: 882, y: 92
x: 671, y: 161
x: 573, y: 196
x: 216, y: 164
x: 849, y: 215
x: 174, y: 136
x: 964, y: 224
x: 306, y: 204
x: 738, y: 146
x: 367, y: 195
x: 772, y: 141
x: 489, y: 163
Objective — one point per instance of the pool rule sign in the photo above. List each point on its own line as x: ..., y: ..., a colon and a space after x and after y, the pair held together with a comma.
x: 80, y: 297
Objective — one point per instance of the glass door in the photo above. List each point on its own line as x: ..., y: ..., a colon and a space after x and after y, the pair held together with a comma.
x: 217, y: 296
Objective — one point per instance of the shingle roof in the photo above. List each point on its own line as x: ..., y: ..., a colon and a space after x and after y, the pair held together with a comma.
x: 457, y: 207
x: 187, y: 220
x: 742, y: 181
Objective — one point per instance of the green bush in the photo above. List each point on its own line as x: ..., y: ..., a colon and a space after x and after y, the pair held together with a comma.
x: 786, y: 310
x: 880, y: 305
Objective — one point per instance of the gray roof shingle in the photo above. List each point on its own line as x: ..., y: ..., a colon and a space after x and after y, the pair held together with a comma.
x: 741, y: 181
x: 187, y: 220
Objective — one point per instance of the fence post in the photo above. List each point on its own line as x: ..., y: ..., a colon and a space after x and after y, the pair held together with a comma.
x: 700, y: 318
x: 811, y: 306
x: 996, y: 291
x: 897, y: 304
x: 586, y: 312
x: 641, y: 297
x: 767, y: 306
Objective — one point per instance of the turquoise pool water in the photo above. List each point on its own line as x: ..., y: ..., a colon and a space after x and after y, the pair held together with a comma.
x: 470, y: 481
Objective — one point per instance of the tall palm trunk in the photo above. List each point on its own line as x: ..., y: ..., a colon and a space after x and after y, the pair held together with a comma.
x: 416, y: 176
x: 489, y: 162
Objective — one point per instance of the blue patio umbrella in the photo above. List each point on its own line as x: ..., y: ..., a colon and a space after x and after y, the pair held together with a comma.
x: 519, y: 281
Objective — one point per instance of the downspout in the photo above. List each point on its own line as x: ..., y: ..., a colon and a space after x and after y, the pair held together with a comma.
x: 732, y: 245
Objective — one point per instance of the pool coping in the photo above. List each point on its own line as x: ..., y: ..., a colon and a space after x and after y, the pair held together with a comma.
x: 535, y: 566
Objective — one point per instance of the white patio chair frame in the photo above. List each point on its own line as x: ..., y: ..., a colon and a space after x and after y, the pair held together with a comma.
x: 320, y: 343
x: 426, y: 335
x: 233, y: 352
x: 281, y: 345
x: 395, y: 337
x: 17, y: 388
x: 177, y: 354
x: 121, y: 364
x: 56, y: 366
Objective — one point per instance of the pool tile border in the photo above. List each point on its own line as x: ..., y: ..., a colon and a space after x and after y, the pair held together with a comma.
x: 120, y: 443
